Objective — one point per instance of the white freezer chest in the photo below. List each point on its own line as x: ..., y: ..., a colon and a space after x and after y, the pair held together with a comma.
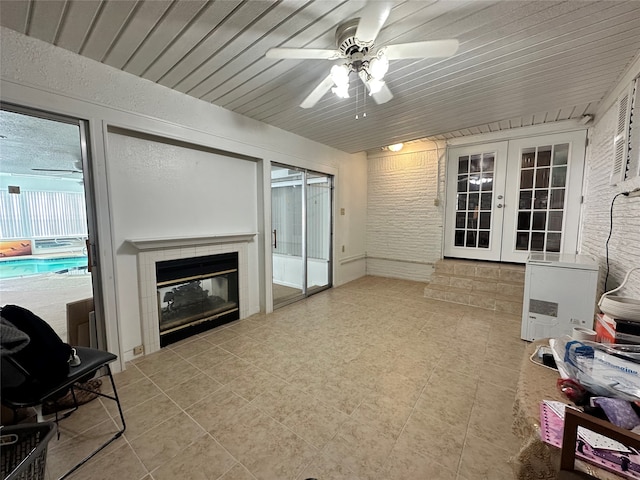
x: 559, y: 294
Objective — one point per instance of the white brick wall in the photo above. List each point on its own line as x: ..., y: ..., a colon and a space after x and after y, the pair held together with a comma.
x: 624, y: 246
x: 404, y: 227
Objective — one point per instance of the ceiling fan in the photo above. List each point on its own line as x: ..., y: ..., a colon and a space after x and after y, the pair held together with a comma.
x: 355, y: 43
x: 77, y: 169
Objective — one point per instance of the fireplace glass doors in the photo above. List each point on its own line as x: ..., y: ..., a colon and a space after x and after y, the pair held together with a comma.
x: 196, y: 294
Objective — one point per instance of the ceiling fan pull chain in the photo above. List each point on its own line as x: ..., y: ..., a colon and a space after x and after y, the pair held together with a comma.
x: 356, y: 101
x: 364, y: 101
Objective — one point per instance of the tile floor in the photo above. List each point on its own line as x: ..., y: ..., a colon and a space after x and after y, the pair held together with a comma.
x: 369, y: 380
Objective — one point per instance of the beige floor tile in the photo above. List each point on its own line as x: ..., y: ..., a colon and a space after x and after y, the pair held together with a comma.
x: 484, y: 461
x: 265, y: 447
x: 238, y: 472
x: 121, y: 463
x: 131, y: 375
x: 492, y: 423
x: 425, y: 432
x: 253, y: 382
x: 448, y: 405
x: 132, y: 395
x: 215, y: 412
x: 383, y: 413
x: 231, y: 368
x: 159, y: 362
x: 193, y: 390
x: 147, y: 415
x: 163, y: 442
x: 360, y: 448
x: 207, y: 360
x: 280, y: 401
x: 315, y: 422
x: 325, y: 468
x: 366, y: 381
x: 171, y: 377
x: 191, y: 347
x: 204, y: 459
x: 87, y: 416
x: 63, y: 454
x: 240, y: 344
x: 404, y: 465
x: 502, y: 376
x: 218, y: 335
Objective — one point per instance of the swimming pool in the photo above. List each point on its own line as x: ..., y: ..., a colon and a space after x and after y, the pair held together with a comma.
x: 36, y: 266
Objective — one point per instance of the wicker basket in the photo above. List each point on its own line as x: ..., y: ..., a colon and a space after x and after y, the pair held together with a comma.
x: 615, y: 306
x: 24, y: 450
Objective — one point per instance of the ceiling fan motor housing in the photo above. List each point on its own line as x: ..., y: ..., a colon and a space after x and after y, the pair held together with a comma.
x: 346, y: 39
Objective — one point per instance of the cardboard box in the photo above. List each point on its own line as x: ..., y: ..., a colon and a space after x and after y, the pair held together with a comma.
x: 605, y: 329
x: 78, y: 322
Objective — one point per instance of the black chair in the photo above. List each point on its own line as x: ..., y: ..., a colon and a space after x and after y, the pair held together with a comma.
x: 20, y: 390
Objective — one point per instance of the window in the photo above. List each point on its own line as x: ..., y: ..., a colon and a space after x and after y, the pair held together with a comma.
x: 626, y: 143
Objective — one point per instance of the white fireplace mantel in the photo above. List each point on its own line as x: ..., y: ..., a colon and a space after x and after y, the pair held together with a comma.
x: 153, y: 250
x: 176, y: 242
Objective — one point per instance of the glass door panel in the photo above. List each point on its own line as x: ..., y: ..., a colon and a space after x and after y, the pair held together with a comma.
x: 301, y: 236
x: 318, y: 231
x: 475, y: 187
x: 287, y: 233
x: 547, y: 172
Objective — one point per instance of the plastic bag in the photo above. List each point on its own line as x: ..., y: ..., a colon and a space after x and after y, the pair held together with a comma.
x: 604, y: 370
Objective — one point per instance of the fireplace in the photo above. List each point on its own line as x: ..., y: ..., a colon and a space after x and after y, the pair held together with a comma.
x: 196, y: 294
x: 152, y: 251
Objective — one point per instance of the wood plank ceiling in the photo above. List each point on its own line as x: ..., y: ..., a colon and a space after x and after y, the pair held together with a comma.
x: 519, y: 62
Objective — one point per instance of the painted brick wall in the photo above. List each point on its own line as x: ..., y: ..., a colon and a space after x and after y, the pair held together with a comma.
x: 404, y: 227
x: 624, y: 246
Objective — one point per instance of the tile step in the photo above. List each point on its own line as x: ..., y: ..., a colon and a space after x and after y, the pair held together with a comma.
x: 508, y: 273
x: 490, y: 301
x: 477, y: 285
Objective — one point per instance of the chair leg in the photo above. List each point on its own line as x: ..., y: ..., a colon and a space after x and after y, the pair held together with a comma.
x: 117, y: 435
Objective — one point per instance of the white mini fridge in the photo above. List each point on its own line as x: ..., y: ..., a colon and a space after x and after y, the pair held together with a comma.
x: 559, y: 294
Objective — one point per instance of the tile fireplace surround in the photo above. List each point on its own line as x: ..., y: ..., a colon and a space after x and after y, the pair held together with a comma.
x: 152, y: 250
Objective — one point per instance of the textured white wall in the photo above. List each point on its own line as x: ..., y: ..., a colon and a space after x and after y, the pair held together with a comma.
x: 39, y: 75
x: 624, y: 246
x: 404, y: 227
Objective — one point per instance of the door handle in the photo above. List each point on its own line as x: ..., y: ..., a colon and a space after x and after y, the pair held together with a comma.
x: 275, y: 238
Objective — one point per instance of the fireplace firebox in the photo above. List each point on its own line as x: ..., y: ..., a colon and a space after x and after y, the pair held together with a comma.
x: 196, y: 294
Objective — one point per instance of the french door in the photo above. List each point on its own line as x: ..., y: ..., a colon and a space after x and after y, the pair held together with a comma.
x: 301, y: 232
x: 509, y: 198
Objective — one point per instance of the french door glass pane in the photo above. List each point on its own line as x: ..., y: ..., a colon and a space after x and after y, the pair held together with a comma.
x: 543, y: 177
x: 475, y: 187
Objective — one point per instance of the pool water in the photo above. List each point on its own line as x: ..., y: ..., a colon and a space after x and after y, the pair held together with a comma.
x: 37, y: 266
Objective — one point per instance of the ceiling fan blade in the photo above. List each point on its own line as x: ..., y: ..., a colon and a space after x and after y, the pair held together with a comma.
x: 302, y: 53
x: 57, y: 170
x: 383, y: 96
x: 428, y: 49
x: 372, y: 20
x: 318, y: 92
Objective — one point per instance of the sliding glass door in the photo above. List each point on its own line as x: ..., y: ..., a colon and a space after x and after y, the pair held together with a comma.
x: 301, y: 205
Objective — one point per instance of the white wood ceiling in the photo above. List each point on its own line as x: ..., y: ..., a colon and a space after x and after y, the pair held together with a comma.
x: 519, y: 62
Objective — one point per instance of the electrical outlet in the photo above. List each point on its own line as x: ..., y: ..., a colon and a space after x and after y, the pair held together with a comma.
x: 342, y: 211
x: 436, y: 202
x: 139, y: 350
x: 634, y: 193
x: 342, y: 248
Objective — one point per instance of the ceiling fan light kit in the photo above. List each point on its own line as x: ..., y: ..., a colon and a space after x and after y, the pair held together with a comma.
x: 355, y: 42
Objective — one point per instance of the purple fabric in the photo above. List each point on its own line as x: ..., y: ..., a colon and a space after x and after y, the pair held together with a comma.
x: 618, y: 411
